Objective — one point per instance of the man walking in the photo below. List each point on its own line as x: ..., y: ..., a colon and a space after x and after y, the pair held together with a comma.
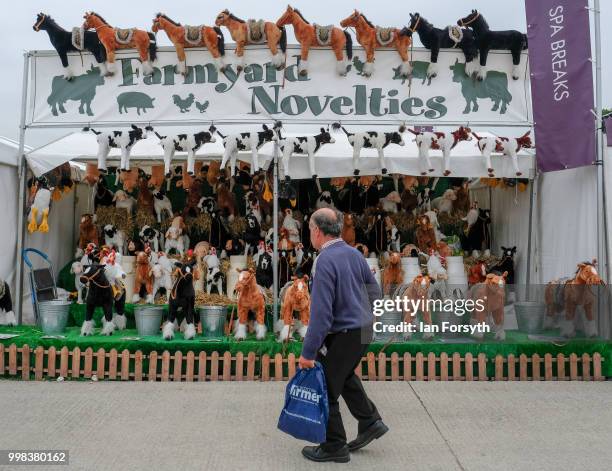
x: 339, y: 332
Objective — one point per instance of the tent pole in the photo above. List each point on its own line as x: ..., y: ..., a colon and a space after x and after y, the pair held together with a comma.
x: 275, y: 238
x: 529, y: 237
x: 21, y: 200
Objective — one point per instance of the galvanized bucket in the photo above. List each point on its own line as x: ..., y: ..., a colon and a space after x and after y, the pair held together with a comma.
x: 530, y: 316
x: 212, y: 319
x: 148, y: 319
x: 53, y: 316
x: 388, y: 318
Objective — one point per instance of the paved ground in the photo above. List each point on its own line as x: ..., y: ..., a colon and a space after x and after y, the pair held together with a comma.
x: 232, y: 426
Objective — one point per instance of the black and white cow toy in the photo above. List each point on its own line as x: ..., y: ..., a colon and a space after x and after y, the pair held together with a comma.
x: 7, y: 316
x: 114, y: 238
x: 150, y: 235
x: 308, y: 145
x: 207, y: 204
x: 373, y: 140
x: 247, y: 141
x: 189, y: 143
x: 123, y: 140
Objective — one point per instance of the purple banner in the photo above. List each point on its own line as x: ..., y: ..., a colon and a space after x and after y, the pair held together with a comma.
x: 561, y: 83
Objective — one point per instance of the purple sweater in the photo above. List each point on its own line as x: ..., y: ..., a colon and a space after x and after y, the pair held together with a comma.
x: 343, y: 290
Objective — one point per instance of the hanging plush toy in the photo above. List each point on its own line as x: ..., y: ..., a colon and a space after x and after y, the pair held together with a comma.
x: 189, y: 143
x: 374, y: 37
x: 295, y: 297
x: 6, y: 305
x: 68, y: 41
x: 425, y: 141
x: 123, y: 140
x: 255, y: 32
x: 507, y: 146
x: 247, y: 141
x: 184, y: 37
x: 435, y: 38
x: 447, y: 142
x: 250, y: 298
x: 39, y: 210
x: 308, y: 145
x: 511, y: 40
x: 314, y: 35
x: 372, y: 140
x: 182, y: 296
x: 116, y: 38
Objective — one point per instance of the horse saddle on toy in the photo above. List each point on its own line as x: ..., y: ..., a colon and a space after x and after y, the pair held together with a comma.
x: 78, y: 38
x: 384, y: 36
x: 124, y: 36
x: 323, y: 34
x: 256, y: 31
x: 455, y: 33
x: 193, y: 35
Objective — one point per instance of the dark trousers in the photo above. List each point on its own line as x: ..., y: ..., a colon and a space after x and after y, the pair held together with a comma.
x: 344, y: 352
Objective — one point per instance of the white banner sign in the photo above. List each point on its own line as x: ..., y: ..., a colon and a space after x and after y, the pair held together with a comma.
x: 261, y: 93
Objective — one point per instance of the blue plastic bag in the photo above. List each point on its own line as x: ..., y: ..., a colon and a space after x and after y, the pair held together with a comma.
x: 306, y: 406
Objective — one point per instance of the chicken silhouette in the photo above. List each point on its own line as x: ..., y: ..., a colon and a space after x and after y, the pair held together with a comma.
x: 202, y: 106
x: 183, y: 103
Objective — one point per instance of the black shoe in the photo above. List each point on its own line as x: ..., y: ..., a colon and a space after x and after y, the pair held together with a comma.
x: 316, y: 453
x: 374, y: 431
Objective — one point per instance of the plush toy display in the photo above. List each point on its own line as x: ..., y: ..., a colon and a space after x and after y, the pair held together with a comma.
x: 116, y: 38
x: 374, y: 37
x: 175, y: 239
x: 123, y: 140
x: 250, y: 298
x: 214, y: 276
x: 477, y: 236
x: 247, y: 141
x: 450, y: 37
x: 182, y: 296
x: 507, y: 146
x: 143, y: 284
x: 417, y: 292
x: 184, y: 37
x: 189, y: 143
x: 162, y: 204
x: 295, y: 297
x: 38, y: 216
x: 348, y: 229
x: 162, y: 275
x: 114, y: 238
x: 393, y: 274
x: 511, y: 40
x: 425, y: 234
x: 71, y: 41
x: 373, y: 140
x: 254, y: 32
x: 506, y: 264
x: 569, y: 293
x: 6, y: 305
x: 314, y: 35
x: 491, y: 294
x: 263, y: 267
x: 308, y: 145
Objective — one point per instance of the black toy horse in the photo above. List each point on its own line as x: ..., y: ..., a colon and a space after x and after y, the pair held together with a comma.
x: 435, y: 38
x: 76, y: 40
x: 511, y: 40
x: 182, y: 296
x: 100, y: 293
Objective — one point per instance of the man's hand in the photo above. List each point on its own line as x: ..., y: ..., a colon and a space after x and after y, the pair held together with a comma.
x: 305, y: 364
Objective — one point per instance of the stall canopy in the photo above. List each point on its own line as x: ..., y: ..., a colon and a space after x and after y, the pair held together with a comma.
x: 331, y: 160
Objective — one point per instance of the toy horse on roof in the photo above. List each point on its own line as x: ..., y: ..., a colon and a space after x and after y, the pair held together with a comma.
x: 192, y: 36
x: 67, y: 41
x: 435, y: 38
x: 115, y: 38
x: 374, y: 37
x: 511, y: 40
x: 255, y: 32
x: 314, y: 35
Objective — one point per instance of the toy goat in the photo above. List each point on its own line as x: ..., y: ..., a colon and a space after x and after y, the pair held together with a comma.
x: 182, y: 296
x: 189, y: 143
x: 250, y: 298
x: 295, y: 298
x: 114, y: 237
x: 123, y: 140
x: 373, y: 140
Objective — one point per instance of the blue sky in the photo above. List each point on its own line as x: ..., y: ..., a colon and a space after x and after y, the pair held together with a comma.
x: 18, y: 35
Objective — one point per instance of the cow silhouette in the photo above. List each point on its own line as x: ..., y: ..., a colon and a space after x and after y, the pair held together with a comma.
x: 419, y: 72
x: 138, y: 100
x: 494, y: 87
x: 81, y: 88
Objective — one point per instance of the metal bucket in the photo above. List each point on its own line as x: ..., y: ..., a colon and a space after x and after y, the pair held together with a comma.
x: 53, y: 316
x: 530, y: 316
x: 439, y: 317
x: 148, y: 319
x: 389, y: 318
x: 213, y: 321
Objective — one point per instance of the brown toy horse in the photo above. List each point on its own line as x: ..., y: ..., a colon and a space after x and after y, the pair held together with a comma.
x: 417, y: 292
x: 374, y: 37
x: 569, y: 294
x: 250, y: 298
x: 254, y: 32
x: 489, y: 297
x: 393, y: 275
x: 313, y: 35
x: 191, y: 36
x: 116, y: 38
x: 296, y: 298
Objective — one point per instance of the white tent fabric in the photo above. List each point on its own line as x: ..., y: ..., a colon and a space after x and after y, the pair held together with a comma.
x: 8, y: 206
x: 332, y: 160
